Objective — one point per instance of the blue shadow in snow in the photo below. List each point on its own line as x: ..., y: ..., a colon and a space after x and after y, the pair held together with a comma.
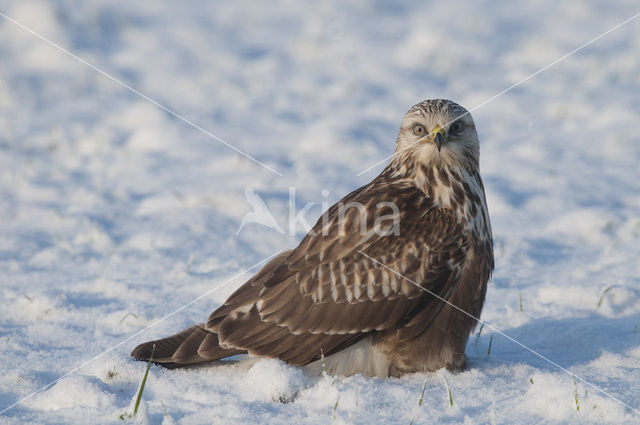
x: 570, y: 342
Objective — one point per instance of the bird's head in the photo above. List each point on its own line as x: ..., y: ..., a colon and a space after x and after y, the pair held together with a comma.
x: 437, y: 132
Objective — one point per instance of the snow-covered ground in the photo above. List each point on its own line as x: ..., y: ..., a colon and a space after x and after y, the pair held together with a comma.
x: 115, y: 213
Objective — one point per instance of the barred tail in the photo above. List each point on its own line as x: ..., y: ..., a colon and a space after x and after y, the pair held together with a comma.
x: 191, y: 346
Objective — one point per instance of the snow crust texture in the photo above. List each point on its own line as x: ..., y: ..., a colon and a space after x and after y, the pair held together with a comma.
x: 114, y: 213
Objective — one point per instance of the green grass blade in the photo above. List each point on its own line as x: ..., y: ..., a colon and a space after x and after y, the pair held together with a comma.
x: 144, y: 381
x: 424, y: 386
x: 446, y: 384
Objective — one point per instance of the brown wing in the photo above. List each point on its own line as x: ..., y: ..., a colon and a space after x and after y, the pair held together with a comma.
x: 197, y: 344
x: 326, y: 295
x: 190, y: 346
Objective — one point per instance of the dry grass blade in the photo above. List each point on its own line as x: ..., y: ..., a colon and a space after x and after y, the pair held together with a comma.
x: 479, y: 332
x: 607, y: 289
x: 520, y: 301
x: 575, y: 393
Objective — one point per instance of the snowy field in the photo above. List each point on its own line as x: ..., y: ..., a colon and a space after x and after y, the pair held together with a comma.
x: 114, y: 213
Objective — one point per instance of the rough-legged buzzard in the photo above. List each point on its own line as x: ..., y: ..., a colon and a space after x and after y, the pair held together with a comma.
x: 359, y: 288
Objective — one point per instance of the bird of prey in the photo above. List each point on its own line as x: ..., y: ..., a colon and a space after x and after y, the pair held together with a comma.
x: 391, y: 279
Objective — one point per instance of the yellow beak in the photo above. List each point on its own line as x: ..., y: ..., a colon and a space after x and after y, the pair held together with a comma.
x: 439, y: 136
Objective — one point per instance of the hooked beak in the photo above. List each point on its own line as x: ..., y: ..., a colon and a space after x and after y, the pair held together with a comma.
x: 438, y: 137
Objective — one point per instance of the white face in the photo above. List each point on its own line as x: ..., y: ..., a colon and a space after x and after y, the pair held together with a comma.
x: 434, y: 121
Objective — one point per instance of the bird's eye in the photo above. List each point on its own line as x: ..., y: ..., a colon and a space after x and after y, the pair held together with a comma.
x: 418, y: 130
x: 456, y: 127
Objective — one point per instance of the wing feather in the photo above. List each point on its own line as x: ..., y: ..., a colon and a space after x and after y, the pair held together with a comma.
x: 326, y: 294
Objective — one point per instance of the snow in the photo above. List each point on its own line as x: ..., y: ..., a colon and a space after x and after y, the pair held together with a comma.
x: 115, y: 213
x: 74, y: 391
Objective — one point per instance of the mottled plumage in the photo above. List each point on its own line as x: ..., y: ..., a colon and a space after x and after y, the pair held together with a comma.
x: 360, y: 286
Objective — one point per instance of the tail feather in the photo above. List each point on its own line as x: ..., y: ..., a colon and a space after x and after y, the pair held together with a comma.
x: 191, y: 346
